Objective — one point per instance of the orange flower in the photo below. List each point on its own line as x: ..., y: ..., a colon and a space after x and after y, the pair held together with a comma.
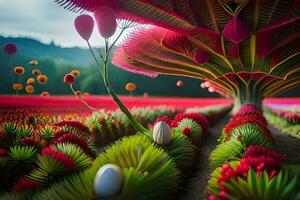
x: 75, y: 73
x: 42, y: 79
x: 33, y: 62
x: 36, y: 72
x: 77, y: 93
x: 29, y: 89
x: 30, y: 81
x: 17, y: 86
x: 19, y: 70
x: 86, y: 94
x: 44, y: 94
x: 130, y: 87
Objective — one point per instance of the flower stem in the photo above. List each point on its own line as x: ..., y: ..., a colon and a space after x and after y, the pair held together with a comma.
x: 81, y: 99
x: 139, y: 127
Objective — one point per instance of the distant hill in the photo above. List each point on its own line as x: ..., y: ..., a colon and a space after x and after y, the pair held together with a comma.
x: 34, y: 49
x: 56, y: 61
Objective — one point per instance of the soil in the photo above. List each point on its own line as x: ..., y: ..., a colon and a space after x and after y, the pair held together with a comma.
x: 196, y: 187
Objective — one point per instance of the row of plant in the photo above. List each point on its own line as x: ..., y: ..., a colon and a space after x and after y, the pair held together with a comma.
x: 63, y: 161
x: 246, y: 167
x: 287, y: 121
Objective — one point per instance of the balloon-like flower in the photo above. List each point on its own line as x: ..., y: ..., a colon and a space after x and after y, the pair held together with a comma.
x: 10, y: 48
x: 33, y: 62
x: 44, y: 94
x: 75, y: 73
x: 179, y: 83
x: 36, y: 72
x: 19, y: 70
x: 17, y: 86
x: 69, y: 79
x: 42, y: 79
x: 106, y: 21
x: 84, y: 25
x: 29, y: 89
x: 30, y: 81
x: 130, y: 87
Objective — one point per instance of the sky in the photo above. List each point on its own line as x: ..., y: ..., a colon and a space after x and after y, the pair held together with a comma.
x: 43, y: 20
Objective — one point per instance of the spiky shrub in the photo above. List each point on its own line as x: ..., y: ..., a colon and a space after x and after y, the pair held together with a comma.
x: 148, y: 172
x: 191, y: 129
x: 19, y: 161
x: 258, y: 175
x: 244, y: 50
x: 58, y: 160
x: 181, y: 151
x: 248, y: 114
x: 225, y: 152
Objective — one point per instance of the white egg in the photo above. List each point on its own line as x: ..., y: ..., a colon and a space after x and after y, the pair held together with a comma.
x: 108, y: 181
x: 161, y: 133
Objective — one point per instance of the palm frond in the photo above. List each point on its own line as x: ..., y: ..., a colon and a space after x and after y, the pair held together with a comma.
x: 225, y: 152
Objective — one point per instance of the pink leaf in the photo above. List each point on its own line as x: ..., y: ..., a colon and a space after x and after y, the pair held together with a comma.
x: 236, y: 30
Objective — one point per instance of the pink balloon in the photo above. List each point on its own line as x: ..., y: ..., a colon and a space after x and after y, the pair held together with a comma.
x: 84, y: 25
x: 179, y: 83
x: 10, y: 48
x: 106, y: 21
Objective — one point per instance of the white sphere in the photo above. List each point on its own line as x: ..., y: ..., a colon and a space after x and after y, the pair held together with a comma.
x: 161, y: 133
x: 108, y: 181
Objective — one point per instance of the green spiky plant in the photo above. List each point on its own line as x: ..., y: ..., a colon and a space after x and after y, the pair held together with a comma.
x: 241, y: 138
x: 50, y: 168
x: 226, y: 152
x: 148, y: 172
x: 246, y: 50
x: 191, y: 129
x: 259, y: 186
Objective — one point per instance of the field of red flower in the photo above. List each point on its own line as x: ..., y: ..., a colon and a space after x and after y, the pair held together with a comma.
x: 70, y: 104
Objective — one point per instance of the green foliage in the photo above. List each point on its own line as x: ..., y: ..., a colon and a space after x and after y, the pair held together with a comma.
x: 225, y: 152
x: 148, y: 172
x: 196, y: 129
x: 50, y: 169
x: 23, y: 153
x: 250, y: 134
x: 181, y: 150
x: 263, y: 187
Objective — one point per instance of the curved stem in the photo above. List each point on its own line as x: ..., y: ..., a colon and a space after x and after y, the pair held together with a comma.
x: 12, y: 74
x: 81, y: 99
x: 140, y: 128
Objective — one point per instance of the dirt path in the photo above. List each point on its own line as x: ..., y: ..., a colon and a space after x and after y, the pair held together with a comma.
x: 196, y: 187
x: 286, y: 145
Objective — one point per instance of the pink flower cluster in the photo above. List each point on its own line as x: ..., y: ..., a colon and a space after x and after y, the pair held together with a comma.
x: 248, y: 114
x: 291, y: 117
x: 256, y: 158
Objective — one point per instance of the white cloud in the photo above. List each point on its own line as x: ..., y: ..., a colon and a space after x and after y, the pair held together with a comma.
x: 43, y: 20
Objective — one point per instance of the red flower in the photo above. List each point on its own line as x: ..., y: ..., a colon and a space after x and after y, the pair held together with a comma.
x: 3, y: 152
x: 199, y: 118
x: 10, y: 48
x: 201, y: 57
x: 84, y: 25
x: 60, y: 157
x: 74, y: 139
x: 236, y: 30
x: 24, y: 184
x: 187, y: 131
x: 69, y: 79
x: 28, y: 141
x: 164, y: 119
